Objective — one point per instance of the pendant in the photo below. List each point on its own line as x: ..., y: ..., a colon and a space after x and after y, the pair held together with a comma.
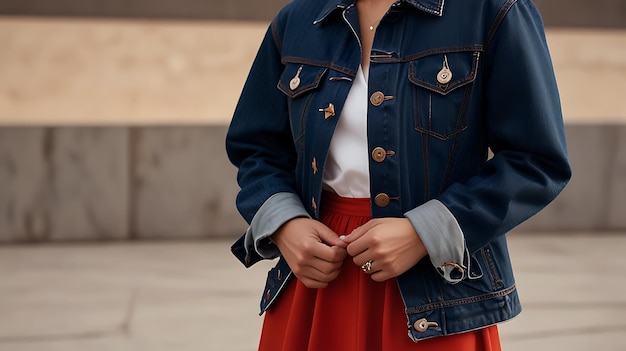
x: 371, y: 27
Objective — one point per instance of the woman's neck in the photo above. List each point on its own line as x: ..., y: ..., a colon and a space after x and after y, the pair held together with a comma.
x: 370, y: 14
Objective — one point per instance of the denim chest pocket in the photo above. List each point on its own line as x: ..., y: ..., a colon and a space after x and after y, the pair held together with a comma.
x: 299, y: 82
x: 443, y: 86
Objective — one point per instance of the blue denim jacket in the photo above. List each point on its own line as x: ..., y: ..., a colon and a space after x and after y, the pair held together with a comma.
x: 447, y: 84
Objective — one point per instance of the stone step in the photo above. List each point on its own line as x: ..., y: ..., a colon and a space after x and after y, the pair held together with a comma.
x: 130, y: 72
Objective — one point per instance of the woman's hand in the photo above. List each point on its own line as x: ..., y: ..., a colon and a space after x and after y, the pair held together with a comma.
x: 313, y: 251
x: 391, y: 244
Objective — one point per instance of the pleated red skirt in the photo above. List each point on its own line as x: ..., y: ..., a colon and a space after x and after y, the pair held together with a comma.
x: 353, y: 313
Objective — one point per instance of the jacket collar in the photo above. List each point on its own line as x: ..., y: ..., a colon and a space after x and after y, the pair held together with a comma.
x: 434, y: 7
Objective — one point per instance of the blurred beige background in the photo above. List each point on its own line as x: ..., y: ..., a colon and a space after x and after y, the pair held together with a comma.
x: 76, y: 71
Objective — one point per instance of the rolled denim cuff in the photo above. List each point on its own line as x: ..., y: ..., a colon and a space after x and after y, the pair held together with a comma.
x: 443, y: 238
x: 275, y: 211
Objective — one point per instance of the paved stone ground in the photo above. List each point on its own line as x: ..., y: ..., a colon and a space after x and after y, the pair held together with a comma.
x: 191, y: 296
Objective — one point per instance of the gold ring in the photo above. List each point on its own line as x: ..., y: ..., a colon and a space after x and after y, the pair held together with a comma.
x: 367, y: 266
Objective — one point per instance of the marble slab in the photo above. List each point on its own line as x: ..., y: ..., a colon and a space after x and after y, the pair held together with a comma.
x: 24, y: 184
x: 183, y: 184
x: 63, y: 183
x: 595, y: 198
x: 86, y: 183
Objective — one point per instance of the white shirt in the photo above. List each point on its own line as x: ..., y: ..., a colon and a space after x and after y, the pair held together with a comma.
x: 347, y: 167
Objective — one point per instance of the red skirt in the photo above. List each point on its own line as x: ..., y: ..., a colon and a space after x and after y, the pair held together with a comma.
x: 353, y: 313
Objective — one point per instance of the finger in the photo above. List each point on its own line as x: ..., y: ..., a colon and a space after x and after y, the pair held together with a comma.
x: 340, y: 254
x: 358, y: 232
x: 361, y: 259
x: 332, y: 254
x: 380, y: 276
x: 309, y: 272
x: 329, y: 237
x: 357, y: 247
x: 324, y: 268
x: 312, y: 284
x: 332, y: 276
x: 320, y: 274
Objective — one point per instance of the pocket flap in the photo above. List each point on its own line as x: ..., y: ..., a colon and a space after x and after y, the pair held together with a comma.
x: 297, y: 79
x: 425, y: 72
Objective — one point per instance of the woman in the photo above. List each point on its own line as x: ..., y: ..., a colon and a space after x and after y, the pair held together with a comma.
x: 362, y: 138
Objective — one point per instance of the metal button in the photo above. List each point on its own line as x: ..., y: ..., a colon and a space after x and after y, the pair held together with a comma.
x: 379, y: 154
x: 377, y: 98
x: 313, y: 204
x: 314, y: 165
x: 453, y: 265
x: 421, y: 325
x: 278, y: 274
x: 294, y: 83
x: 267, y: 295
x: 457, y: 271
x: 445, y: 75
x: 382, y: 200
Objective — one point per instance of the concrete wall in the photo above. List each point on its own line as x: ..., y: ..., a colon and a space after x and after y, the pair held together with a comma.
x: 181, y: 9
x: 595, y: 198
x: 73, y: 183
x: 583, y: 13
x: 576, y: 13
x: 77, y: 183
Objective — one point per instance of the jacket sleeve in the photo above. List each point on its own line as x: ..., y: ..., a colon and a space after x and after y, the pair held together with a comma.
x: 259, y: 142
x: 443, y: 238
x: 525, y: 132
